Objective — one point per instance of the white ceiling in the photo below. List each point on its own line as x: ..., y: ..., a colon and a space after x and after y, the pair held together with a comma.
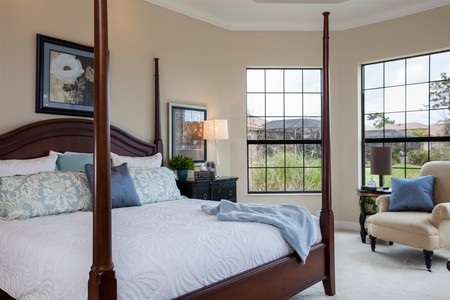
x: 296, y: 14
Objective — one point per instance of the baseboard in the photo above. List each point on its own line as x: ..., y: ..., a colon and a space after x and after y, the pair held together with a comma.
x: 347, y: 225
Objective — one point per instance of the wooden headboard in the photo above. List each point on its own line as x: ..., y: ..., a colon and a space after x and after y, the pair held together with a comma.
x: 68, y: 134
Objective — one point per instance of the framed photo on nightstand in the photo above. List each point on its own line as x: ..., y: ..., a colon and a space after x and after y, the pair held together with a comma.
x: 211, y: 167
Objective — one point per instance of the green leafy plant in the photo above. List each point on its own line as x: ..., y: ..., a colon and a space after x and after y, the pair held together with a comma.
x: 370, y: 205
x: 181, y: 162
x: 418, y: 157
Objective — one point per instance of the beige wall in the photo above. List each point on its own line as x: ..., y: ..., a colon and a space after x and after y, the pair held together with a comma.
x: 405, y: 36
x: 202, y: 64
x: 193, y: 60
x: 266, y: 49
x: 348, y: 50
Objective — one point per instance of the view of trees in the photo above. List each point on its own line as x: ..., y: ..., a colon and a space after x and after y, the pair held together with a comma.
x: 379, y: 120
x: 407, y: 107
x: 440, y: 98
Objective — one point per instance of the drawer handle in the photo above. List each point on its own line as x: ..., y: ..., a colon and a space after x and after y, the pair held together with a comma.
x: 204, y: 196
x: 218, y: 191
x: 230, y: 193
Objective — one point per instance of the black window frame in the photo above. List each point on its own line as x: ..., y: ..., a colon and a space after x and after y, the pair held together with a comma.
x: 406, y: 140
x: 300, y: 142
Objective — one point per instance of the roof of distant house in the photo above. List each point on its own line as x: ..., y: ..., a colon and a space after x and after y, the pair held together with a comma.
x: 388, y: 133
x: 293, y: 124
x: 409, y: 126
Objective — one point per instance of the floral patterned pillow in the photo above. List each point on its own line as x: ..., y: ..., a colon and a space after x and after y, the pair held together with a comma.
x: 42, y: 194
x: 155, y: 184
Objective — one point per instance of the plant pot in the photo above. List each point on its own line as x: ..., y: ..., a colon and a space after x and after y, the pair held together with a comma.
x: 182, y: 174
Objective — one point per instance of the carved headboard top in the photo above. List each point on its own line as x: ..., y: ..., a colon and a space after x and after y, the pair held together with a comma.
x: 67, y: 134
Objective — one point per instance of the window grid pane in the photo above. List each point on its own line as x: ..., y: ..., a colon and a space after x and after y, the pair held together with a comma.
x: 406, y: 106
x: 284, y: 130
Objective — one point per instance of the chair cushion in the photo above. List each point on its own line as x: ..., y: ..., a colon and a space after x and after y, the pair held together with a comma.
x: 408, y: 228
x: 412, y: 194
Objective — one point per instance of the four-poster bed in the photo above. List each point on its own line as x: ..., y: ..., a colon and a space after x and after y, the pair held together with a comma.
x: 280, y: 278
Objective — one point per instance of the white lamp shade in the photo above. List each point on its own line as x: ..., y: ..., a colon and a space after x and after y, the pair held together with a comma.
x: 215, y: 130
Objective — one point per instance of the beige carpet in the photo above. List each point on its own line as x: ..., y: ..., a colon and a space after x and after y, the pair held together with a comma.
x: 393, y: 272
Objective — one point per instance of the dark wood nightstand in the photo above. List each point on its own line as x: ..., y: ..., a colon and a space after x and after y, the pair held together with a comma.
x: 363, y: 194
x: 220, y: 188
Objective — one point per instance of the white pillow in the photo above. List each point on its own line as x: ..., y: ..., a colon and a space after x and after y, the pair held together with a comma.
x: 11, y: 167
x: 153, y: 161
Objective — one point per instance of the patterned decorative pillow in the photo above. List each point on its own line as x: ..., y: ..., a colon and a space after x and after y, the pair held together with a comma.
x: 153, y: 161
x: 11, y: 167
x: 155, y: 184
x: 42, y: 194
x: 412, y: 194
x: 123, y: 192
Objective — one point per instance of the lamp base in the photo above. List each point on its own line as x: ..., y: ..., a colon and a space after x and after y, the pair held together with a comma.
x: 217, y: 171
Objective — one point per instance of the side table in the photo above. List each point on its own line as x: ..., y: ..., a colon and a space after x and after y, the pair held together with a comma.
x: 363, y: 194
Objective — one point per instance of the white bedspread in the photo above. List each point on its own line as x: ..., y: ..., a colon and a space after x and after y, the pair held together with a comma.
x: 160, y: 251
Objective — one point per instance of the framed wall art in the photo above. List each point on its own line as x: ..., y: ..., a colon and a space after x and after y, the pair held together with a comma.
x: 64, y: 77
x: 186, y: 131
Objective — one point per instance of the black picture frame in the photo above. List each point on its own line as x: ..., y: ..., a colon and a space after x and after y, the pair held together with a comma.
x: 64, y: 77
x: 186, y: 131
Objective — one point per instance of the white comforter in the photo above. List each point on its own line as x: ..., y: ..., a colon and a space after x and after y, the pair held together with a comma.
x: 160, y: 251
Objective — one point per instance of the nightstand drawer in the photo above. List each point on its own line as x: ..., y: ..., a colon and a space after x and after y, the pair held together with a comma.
x: 224, y: 190
x: 202, y: 192
x: 217, y: 189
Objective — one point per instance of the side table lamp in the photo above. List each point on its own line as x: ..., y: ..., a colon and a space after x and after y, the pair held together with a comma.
x: 381, y: 162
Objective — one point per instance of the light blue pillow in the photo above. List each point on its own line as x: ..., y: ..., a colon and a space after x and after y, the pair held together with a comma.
x: 412, y: 194
x: 73, y: 162
x: 123, y: 192
x: 41, y: 194
x: 155, y: 184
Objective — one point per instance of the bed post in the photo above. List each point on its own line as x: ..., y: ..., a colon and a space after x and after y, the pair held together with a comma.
x: 102, y: 282
x: 158, y: 141
x: 326, y: 214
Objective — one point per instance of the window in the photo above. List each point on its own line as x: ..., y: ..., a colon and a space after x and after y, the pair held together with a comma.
x: 284, y: 133
x: 405, y: 105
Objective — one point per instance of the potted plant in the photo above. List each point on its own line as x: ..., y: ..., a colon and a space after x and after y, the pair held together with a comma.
x: 181, y: 164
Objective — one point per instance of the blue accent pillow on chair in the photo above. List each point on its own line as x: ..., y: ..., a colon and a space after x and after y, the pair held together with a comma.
x: 412, y: 194
x: 123, y: 192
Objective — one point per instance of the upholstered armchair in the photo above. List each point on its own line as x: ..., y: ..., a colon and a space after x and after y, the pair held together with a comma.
x: 423, y: 227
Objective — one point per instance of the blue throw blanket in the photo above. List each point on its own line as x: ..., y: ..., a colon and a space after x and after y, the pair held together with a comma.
x: 294, y: 222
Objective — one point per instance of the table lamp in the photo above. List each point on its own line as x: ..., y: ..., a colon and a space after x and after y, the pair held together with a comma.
x: 215, y: 130
x: 381, y: 162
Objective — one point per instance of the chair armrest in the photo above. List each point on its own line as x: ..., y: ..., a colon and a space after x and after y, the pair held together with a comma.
x: 440, y: 212
x: 383, y: 203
